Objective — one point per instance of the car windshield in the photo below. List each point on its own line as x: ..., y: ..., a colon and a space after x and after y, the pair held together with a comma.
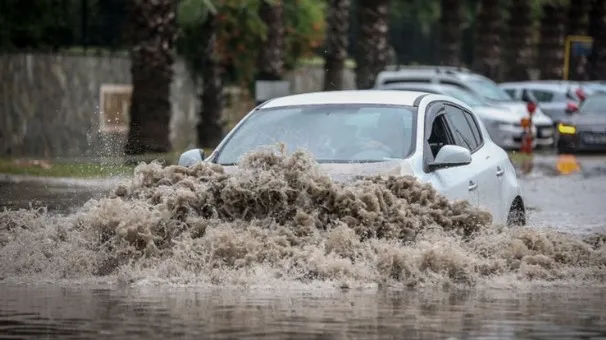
x: 464, y: 96
x: 332, y: 133
x: 594, y: 104
x: 488, y: 89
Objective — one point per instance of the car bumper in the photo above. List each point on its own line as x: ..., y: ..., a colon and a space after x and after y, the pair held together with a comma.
x: 582, y: 141
x: 509, y: 137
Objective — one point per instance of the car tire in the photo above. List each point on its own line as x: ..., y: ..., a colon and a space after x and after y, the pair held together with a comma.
x: 517, y: 214
x: 564, y: 150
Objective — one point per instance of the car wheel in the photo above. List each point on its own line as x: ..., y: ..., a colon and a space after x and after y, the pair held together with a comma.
x: 517, y: 213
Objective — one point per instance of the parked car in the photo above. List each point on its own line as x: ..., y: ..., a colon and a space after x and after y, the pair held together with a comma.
x: 553, y: 97
x: 469, y: 81
x: 436, y: 138
x: 585, y: 129
x: 503, y: 125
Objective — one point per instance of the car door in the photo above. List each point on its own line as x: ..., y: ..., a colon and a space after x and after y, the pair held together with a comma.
x: 458, y: 182
x: 483, y: 166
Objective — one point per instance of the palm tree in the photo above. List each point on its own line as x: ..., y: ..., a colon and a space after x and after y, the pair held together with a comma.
x: 373, y: 49
x: 270, y: 62
x: 487, y: 52
x: 450, y: 32
x: 152, y: 58
x: 337, y: 18
x: 519, y: 60
x: 210, y: 125
x: 597, y: 27
x: 551, y: 47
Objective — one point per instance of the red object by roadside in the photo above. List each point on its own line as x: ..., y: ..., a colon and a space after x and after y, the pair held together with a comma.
x: 532, y: 107
x: 581, y: 94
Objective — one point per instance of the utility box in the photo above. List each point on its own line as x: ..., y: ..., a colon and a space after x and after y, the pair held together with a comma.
x: 114, y: 105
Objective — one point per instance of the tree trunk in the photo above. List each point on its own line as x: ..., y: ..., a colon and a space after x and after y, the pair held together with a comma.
x: 578, y: 24
x: 551, y: 47
x: 487, y: 54
x: 597, y: 27
x: 210, y: 126
x: 337, y: 17
x: 373, y: 50
x: 272, y: 51
x: 152, y: 57
x: 519, y: 58
x: 450, y: 32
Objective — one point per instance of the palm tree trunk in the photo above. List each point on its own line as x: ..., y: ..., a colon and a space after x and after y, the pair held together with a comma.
x: 519, y: 60
x: 450, y: 32
x: 337, y: 17
x: 578, y: 24
x: 551, y: 48
x: 373, y: 50
x: 210, y: 126
x: 597, y: 27
x: 272, y: 51
x: 152, y: 57
x: 487, y: 54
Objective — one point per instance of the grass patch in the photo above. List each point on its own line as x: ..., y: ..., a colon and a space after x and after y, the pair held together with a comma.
x: 66, y: 170
x: 118, y: 166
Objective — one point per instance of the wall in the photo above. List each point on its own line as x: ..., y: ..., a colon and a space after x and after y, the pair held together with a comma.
x: 49, y: 104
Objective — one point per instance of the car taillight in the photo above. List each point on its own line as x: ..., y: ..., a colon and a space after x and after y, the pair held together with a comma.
x: 531, y: 107
x: 581, y: 94
x: 571, y: 107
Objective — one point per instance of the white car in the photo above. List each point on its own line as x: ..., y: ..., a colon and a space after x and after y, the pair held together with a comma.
x: 435, y: 138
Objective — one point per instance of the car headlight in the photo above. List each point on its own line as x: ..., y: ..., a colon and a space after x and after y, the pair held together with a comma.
x: 566, y: 129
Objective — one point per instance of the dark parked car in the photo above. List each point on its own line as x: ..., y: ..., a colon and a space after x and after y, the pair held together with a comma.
x: 585, y: 129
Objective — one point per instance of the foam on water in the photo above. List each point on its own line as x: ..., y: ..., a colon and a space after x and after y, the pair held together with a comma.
x: 279, y: 220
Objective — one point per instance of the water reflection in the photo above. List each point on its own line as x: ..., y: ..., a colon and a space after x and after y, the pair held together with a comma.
x: 52, y: 312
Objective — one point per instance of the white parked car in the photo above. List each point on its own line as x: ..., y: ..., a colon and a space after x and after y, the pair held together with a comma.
x: 503, y: 124
x: 435, y: 138
x: 474, y: 83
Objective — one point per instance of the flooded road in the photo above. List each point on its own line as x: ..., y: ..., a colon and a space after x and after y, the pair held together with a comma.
x: 166, y: 313
x: 502, y: 305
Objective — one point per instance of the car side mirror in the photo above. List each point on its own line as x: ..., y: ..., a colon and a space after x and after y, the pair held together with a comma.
x: 450, y: 156
x: 191, y: 157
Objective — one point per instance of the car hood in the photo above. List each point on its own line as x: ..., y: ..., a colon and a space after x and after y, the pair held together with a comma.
x: 345, y: 172
x: 520, y: 111
x: 499, y: 114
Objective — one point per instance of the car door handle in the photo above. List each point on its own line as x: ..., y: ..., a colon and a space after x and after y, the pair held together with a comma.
x: 472, y: 186
x: 500, y: 171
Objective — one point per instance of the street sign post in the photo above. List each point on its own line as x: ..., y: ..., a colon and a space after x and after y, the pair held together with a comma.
x: 577, y: 49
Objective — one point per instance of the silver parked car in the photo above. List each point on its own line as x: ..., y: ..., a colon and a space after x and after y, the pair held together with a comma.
x: 584, y: 130
x: 472, y: 82
x: 554, y: 98
x: 503, y: 125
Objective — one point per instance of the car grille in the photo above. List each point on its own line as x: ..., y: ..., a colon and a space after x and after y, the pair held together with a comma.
x: 589, y: 137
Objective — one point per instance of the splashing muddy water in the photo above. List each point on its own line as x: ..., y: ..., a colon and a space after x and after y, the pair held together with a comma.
x: 278, y: 220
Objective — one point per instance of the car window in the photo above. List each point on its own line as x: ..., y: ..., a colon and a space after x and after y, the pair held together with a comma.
x: 332, y: 133
x: 511, y: 92
x: 466, y: 97
x: 475, y: 129
x: 488, y: 89
x: 542, y: 96
x: 463, y: 134
x: 595, y: 104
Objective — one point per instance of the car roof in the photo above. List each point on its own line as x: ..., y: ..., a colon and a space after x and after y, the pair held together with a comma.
x: 428, y: 73
x: 439, y: 87
x: 553, y: 85
x: 391, y: 97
